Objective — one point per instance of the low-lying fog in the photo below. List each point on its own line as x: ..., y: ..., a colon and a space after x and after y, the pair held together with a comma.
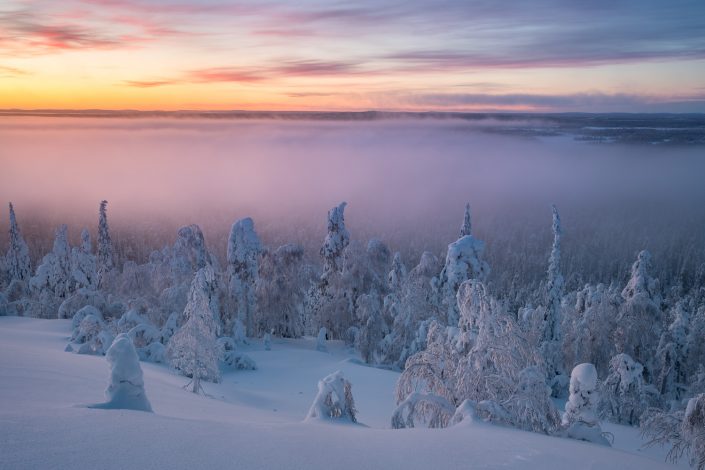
x: 406, y: 182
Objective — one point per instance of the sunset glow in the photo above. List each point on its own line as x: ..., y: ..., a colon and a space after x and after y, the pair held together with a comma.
x: 317, y: 55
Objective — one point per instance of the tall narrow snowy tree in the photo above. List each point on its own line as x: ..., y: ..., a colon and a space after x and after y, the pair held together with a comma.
x: 328, y: 303
x: 336, y: 240
x: 243, y: 270
x: 17, y: 259
x: 106, y: 256
x: 466, y: 228
x: 551, y: 336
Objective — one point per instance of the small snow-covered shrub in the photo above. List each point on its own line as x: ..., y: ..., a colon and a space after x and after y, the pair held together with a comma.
x: 91, y: 335
x: 154, y: 352
x: 334, y: 400
x: 77, y: 319
x: 406, y: 414
x: 233, y: 358
x: 580, y: 418
x: 238, y: 360
x: 126, y: 387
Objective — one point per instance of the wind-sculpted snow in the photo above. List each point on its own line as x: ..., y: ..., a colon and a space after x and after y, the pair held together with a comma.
x: 253, y: 420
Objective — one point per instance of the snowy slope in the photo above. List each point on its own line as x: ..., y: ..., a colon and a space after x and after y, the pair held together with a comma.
x: 253, y: 421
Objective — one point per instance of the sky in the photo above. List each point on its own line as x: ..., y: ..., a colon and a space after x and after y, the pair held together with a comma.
x: 412, y: 55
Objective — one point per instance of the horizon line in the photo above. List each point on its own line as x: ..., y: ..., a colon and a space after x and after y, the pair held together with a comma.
x: 78, y: 112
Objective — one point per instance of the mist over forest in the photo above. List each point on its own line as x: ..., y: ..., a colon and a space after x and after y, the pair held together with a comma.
x: 406, y: 182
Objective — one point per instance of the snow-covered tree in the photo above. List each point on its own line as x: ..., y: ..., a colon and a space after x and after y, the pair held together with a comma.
x: 334, y: 400
x: 91, y: 334
x: 427, y: 408
x: 336, y: 240
x: 624, y: 395
x: 671, y: 354
x: 126, y: 387
x: 18, y: 263
x: 695, y: 358
x: 639, y: 322
x: 466, y: 227
x: 463, y: 262
x: 351, y: 270
x: 244, y: 249
x: 83, y: 264
x: 397, y: 276
x: 683, y: 430
x: 414, y: 304
x: 550, y: 344
x: 373, y: 330
x: 588, y: 327
x: 498, y: 371
x: 106, y: 257
x: 189, y: 253
x: 580, y: 418
x: 51, y: 283
x: 193, y: 349
x: 281, y: 291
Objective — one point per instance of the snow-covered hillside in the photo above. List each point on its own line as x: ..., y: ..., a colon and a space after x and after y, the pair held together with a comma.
x: 252, y: 419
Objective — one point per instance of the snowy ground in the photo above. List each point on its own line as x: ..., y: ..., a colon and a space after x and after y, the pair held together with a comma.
x: 252, y: 421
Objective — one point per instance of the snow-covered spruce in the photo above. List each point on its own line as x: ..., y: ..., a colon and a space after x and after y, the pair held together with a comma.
x: 51, y: 284
x: 126, y: 387
x: 189, y: 253
x: 624, y: 395
x: 551, y: 335
x: 281, y: 291
x: 463, y: 262
x: 671, y: 355
x: 334, y: 400
x: 244, y: 249
x: 84, y: 272
x: 639, y: 321
x: 413, y: 307
x: 105, y: 260
x: 336, y: 240
x: 17, y: 260
x: 193, y: 349
x: 466, y: 227
x: 580, y: 418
